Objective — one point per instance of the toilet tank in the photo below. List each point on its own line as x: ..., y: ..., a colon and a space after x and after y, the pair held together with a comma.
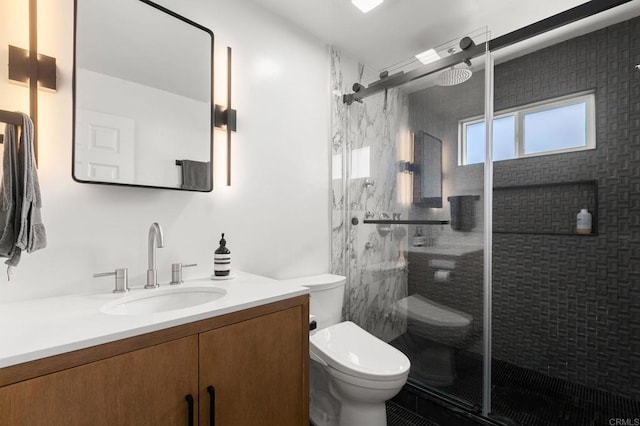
x: 326, y: 293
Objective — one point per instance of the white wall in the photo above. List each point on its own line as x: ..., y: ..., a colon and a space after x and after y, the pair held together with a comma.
x: 275, y: 214
x: 168, y: 127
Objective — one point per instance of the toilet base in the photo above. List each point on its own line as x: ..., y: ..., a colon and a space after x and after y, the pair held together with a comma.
x: 353, y: 414
x: 435, y: 365
x: 432, y: 362
x: 324, y: 408
x: 362, y: 402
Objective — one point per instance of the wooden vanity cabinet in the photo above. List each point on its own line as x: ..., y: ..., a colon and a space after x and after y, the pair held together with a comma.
x: 256, y: 360
x: 255, y: 369
x: 144, y: 387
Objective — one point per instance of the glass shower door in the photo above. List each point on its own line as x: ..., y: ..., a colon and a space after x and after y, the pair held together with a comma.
x: 411, y: 231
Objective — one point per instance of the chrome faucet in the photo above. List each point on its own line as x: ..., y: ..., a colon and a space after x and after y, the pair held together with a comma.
x: 155, y: 240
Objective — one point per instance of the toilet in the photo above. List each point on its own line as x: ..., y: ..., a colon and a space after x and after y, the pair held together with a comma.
x: 444, y: 327
x: 352, y: 372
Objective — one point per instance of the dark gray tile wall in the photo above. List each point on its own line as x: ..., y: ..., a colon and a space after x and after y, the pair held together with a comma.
x: 568, y: 306
x: 565, y: 305
x: 543, y: 209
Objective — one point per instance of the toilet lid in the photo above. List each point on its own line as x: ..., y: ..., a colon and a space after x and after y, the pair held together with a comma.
x: 319, y: 282
x: 351, y: 350
x: 421, y: 309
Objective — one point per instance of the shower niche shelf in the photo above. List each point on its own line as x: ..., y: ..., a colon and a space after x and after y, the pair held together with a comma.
x: 545, y: 208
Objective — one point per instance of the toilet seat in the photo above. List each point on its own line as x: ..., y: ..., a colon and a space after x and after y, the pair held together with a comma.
x: 421, y: 309
x: 350, y: 350
x: 367, y: 383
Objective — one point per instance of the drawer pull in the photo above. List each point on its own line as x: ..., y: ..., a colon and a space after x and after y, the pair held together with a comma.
x: 212, y: 405
x: 189, y: 399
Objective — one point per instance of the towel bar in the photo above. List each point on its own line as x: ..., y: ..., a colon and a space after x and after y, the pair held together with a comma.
x: 9, y: 117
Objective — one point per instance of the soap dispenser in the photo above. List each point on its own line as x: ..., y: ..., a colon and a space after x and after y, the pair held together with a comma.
x: 222, y: 259
x: 418, y: 238
x: 583, y: 225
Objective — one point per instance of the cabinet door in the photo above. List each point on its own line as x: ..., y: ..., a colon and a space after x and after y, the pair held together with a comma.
x: 144, y: 387
x: 259, y: 369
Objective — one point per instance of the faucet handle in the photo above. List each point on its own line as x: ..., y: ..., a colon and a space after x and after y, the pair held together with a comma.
x: 176, y: 272
x: 122, y: 279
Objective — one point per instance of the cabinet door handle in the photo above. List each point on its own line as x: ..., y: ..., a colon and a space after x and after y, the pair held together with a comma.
x: 212, y: 405
x: 189, y: 399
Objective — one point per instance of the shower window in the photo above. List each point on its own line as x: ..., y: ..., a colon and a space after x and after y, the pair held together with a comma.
x: 551, y: 127
x: 504, y: 139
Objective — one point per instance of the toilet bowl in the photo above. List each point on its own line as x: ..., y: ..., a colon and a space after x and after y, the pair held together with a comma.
x: 437, y: 322
x: 444, y: 327
x: 363, y: 371
x: 353, y: 373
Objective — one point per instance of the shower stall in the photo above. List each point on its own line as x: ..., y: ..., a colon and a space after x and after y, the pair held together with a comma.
x: 458, y: 239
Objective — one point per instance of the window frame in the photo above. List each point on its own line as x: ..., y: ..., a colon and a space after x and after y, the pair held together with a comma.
x: 588, y: 98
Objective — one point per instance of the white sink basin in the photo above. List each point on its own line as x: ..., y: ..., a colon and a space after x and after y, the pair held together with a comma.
x: 163, y: 300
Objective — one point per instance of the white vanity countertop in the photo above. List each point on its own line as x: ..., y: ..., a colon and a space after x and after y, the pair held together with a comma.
x: 39, y: 328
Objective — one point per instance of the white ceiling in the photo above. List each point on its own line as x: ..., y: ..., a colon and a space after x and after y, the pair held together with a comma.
x: 110, y: 41
x: 399, y: 29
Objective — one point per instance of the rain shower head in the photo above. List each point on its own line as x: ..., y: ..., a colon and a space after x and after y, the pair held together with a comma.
x: 453, y: 76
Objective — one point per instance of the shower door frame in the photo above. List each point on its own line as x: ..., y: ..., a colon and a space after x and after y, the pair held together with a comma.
x: 488, y: 235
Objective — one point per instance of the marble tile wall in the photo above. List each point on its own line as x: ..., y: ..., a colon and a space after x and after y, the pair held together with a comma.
x: 371, y: 256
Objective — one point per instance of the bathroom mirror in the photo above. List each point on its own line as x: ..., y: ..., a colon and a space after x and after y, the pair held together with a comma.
x: 427, y: 173
x: 143, y: 94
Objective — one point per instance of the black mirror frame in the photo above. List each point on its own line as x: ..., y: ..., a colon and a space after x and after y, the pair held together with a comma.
x: 419, y: 170
x: 211, y: 112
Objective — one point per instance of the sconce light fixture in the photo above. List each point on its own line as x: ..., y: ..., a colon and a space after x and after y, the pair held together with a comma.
x: 27, y: 66
x: 227, y: 117
x: 19, y: 64
x: 407, y: 167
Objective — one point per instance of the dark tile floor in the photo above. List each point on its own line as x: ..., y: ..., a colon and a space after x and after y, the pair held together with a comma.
x: 525, y: 397
x: 400, y: 416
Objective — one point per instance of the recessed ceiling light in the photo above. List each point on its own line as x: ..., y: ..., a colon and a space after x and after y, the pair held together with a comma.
x: 366, y: 5
x: 428, y: 56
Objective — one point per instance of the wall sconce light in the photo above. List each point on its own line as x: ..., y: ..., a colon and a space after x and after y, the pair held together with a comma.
x: 407, y: 167
x: 19, y: 64
x: 27, y: 66
x: 227, y: 117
